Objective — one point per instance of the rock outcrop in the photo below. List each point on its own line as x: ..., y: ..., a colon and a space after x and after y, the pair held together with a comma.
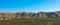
x: 41, y: 15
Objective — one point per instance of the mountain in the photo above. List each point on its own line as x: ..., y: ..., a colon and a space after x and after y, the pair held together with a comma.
x: 7, y: 16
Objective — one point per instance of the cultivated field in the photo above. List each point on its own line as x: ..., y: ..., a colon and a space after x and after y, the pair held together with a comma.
x: 32, y: 21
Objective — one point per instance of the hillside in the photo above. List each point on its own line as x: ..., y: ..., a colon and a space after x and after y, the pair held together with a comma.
x: 6, y: 16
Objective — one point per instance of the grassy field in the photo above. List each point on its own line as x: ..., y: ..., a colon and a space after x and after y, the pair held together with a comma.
x: 36, y: 21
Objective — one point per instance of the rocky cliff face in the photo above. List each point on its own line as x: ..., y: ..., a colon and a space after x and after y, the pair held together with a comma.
x: 41, y: 15
x: 7, y: 16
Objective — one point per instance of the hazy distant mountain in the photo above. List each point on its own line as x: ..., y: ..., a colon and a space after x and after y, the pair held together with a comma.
x: 6, y: 16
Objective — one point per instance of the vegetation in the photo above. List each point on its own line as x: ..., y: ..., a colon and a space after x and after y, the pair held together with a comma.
x: 32, y: 21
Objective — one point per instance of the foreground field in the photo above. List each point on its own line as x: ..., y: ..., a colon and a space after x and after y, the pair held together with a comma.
x: 31, y: 21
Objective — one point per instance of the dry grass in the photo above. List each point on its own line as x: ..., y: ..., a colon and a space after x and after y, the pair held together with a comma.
x: 37, y: 21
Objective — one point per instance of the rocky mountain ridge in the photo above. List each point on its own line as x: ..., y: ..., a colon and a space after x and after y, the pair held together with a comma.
x: 7, y: 16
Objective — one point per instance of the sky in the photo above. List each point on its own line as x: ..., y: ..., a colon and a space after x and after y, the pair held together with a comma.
x: 29, y: 5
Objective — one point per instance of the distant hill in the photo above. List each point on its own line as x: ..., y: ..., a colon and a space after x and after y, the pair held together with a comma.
x: 6, y: 16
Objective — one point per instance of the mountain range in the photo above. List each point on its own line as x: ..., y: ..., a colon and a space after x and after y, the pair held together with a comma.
x: 7, y: 16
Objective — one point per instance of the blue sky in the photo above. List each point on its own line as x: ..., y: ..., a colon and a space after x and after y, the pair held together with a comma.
x: 29, y: 5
